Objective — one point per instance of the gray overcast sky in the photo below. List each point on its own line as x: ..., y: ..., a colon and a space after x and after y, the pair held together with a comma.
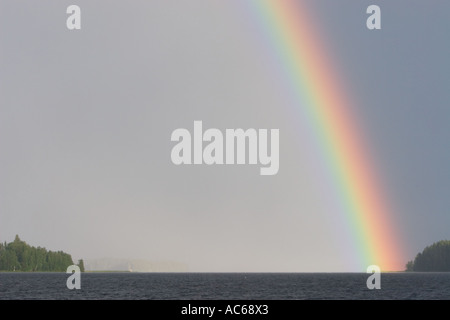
x: 86, y: 118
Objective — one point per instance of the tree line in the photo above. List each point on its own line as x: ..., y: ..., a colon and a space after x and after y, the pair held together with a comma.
x: 19, y: 256
x: 433, y: 258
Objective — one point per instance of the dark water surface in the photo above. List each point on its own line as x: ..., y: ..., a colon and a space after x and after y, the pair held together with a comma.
x: 224, y: 286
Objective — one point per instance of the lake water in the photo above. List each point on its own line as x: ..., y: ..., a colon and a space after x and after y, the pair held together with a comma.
x: 224, y: 286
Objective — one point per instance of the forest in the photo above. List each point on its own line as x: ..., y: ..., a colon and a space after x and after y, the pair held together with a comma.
x: 19, y: 256
x: 434, y: 258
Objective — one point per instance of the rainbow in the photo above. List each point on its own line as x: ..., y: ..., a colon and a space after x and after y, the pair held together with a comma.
x: 320, y: 94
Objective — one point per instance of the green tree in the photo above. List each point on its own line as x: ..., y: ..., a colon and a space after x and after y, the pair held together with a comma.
x: 9, y: 261
x: 81, y: 265
x: 19, y: 256
x: 410, y: 266
x: 433, y: 258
